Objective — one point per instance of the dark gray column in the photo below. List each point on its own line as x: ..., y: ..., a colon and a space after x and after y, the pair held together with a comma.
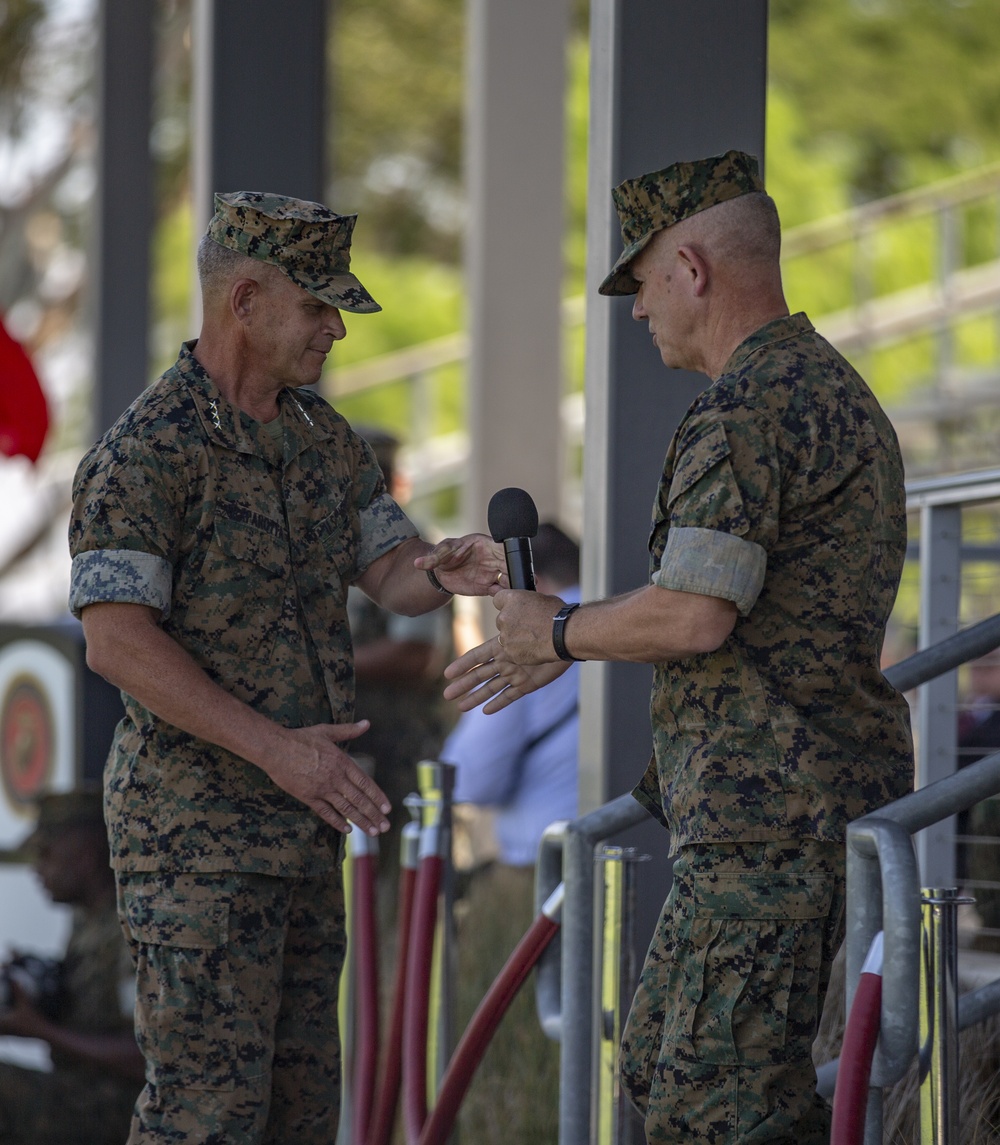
x: 123, y: 214
x: 259, y: 99
x: 670, y: 80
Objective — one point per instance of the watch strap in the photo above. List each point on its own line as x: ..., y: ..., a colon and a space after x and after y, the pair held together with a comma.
x: 559, y: 631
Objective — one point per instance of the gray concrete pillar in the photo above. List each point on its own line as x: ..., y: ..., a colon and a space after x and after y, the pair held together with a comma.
x: 123, y: 209
x: 670, y: 80
x: 259, y: 99
x: 515, y: 171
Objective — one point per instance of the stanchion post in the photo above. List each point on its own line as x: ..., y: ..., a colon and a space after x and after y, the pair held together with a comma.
x: 939, y: 1112
x: 436, y: 783
x: 615, y: 924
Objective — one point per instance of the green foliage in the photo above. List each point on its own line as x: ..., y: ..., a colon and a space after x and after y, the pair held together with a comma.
x: 846, y: 120
x: 905, y: 89
x: 173, y: 283
x: 421, y: 301
x: 398, y: 74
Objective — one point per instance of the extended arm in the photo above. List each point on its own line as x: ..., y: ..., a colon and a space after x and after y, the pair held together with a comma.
x: 649, y: 625
x: 398, y: 580
x: 126, y: 645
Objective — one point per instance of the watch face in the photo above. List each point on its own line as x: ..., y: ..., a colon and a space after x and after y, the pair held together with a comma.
x: 27, y: 739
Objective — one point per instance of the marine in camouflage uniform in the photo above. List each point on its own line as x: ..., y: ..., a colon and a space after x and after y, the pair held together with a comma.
x: 781, y: 515
x: 238, y: 536
x: 82, y: 1099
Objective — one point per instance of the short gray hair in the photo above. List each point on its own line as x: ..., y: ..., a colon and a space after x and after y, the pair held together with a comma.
x: 744, y: 230
x: 219, y: 267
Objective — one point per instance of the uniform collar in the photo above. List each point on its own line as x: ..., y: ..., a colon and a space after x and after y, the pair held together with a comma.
x: 224, y: 424
x: 777, y: 330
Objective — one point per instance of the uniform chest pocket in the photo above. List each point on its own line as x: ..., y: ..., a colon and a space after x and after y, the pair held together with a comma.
x: 333, y: 545
x: 239, y: 593
x: 255, y: 543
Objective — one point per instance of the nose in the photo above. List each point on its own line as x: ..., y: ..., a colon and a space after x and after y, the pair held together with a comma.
x: 638, y: 310
x: 335, y: 324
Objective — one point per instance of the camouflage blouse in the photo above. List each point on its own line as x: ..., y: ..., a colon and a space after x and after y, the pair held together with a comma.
x: 246, y: 545
x: 782, y: 491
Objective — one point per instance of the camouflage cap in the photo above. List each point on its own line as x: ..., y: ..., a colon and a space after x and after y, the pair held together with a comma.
x: 653, y: 202
x: 308, y: 241
x: 57, y: 812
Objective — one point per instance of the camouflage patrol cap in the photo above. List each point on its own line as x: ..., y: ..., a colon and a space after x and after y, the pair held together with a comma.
x: 59, y: 811
x: 308, y: 241
x: 653, y: 202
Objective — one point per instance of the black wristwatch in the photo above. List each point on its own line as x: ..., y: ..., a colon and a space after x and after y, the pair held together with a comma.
x: 559, y: 631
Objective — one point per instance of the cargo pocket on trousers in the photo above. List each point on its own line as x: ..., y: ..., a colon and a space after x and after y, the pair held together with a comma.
x: 184, y: 1007
x: 753, y: 957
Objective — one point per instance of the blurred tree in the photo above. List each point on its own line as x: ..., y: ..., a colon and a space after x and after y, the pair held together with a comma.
x: 906, y: 90
x: 397, y: 100
x: 19, y: 21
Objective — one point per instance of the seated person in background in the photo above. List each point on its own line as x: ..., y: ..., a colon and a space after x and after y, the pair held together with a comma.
x: 522, y: 764
x: 97, y: 1068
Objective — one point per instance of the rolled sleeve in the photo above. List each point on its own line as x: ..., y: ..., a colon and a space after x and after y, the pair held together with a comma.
x: 713, y: 563
x: 384, y: 525
x: 120, y: 576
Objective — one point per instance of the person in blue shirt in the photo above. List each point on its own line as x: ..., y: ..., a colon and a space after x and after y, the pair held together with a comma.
x: 521, y: 765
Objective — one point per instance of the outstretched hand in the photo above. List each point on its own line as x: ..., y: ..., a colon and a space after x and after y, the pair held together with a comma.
x: 519, y: 660
x: 472, y: 565
x: 317, y: 771
x: 486, y: 675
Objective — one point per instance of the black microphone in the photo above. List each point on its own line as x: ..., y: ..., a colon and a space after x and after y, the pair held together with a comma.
x: 513, y: 519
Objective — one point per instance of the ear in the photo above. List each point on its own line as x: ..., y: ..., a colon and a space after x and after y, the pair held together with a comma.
x: 693, y: 269
x: 242, y: 299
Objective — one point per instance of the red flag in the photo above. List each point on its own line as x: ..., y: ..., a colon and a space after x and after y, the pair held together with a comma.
x: 24, y: 414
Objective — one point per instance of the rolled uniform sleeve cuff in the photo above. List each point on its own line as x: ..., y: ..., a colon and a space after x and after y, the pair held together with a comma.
x: 713, y: 564
x: 120, y: 576
x: 383, y: 526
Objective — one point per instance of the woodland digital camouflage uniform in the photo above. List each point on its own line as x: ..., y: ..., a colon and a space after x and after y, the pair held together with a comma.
x: 182, y: 506
x: 782, y: 491
x: 244, y: 541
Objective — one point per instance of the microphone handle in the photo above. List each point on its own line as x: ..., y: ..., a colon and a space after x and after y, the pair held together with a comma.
x: 520, y: 570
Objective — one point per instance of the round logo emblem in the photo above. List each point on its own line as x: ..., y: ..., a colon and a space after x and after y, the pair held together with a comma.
x: 27, y: 739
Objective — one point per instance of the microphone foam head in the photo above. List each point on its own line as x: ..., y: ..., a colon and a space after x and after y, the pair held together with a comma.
x: 512, y: 513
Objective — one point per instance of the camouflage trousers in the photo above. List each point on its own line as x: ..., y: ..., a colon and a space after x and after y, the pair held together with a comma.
x: 717, y: 1046
x: 236, y: 1007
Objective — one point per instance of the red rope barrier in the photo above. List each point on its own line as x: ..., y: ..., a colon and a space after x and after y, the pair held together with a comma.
x: 418, y: 974
x: 470, y: 1050
x: 850, y: 1097
x: 392, y: 1066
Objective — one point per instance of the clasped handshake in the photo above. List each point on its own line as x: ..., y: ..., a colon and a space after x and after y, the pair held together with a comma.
x: 521, y: 658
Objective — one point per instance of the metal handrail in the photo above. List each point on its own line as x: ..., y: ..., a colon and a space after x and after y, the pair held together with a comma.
x: 883, y: 893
